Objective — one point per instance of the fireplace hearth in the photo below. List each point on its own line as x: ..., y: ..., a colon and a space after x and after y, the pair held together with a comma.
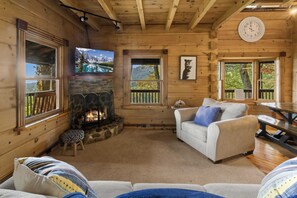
x: 94, y: 113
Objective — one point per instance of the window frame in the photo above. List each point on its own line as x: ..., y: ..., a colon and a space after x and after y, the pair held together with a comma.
x: 143, y: 54
x: 256, y: 71
x: 39, y: 37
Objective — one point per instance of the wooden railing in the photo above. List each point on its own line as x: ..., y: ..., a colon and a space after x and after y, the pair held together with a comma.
x: 145, y: 97
x: 39, y: 102
x: 266, y: 94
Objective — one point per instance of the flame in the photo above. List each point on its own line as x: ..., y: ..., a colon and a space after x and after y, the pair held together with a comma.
x: 92, y: 116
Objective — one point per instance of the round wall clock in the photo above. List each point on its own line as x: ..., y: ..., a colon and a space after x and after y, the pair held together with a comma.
x: 251, y: 29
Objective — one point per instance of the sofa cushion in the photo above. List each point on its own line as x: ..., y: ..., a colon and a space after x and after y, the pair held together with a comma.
x: 111, y: 188
x: 197, y: 131
x: 167, y: 193
x: 206, y: 115
x: 281, y: 181
x: 6, y: 193
x: 48, y: 176
x: 229, y: 109
x: 233, y: 110
x: 142, y: 186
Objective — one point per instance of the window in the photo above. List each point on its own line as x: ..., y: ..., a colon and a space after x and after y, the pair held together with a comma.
x: 145, y: 83
x: 39, y: 76
x: 145, y: 78
x: 238, y: 76
x: 255, y: 79
x: 266, y: 80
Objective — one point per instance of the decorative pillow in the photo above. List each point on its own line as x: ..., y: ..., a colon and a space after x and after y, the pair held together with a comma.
x: 167, y: 193
x: 280, y: 182
x: 206, y: 115
x: 48, y: 176
x: 74, y: 195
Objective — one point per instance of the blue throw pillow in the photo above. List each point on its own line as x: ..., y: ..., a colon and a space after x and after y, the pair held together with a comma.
x: 206, y: 115
x: 75, y: 195
x: 167, y: 193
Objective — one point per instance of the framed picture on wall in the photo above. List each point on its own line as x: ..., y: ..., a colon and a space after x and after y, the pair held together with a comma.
x: 188, y: 68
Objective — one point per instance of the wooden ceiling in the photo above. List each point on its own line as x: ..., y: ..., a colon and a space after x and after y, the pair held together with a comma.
x: 191, y: 13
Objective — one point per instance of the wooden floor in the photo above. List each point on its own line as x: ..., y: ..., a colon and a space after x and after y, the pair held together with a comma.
x: 267, y: 155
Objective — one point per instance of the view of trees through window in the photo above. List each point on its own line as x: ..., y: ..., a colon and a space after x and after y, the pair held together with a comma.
x: 266, y: 80
x: 40, y: 78
x: 238, y: 76
x: 145, y: 81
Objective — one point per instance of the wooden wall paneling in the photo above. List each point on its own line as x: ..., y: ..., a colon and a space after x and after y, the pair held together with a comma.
x: 7, y: 98
x: 33, y: 147
x: 47, y: 19
x: 207, y: 46
x: 294, y: 56
x: 10, y: 140
x: 8, y: 119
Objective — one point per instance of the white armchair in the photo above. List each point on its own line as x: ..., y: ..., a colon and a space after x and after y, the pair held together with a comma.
x: 232, y: 134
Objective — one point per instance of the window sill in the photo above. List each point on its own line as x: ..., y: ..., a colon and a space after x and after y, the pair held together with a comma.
x: 42, y: 121
x: 145, y: 107
x: 249, y: 101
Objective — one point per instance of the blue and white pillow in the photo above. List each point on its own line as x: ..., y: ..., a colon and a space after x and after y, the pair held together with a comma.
x: 48, y: 176
x: 281, y: 182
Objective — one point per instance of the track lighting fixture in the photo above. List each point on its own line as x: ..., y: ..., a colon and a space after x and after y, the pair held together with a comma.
x: 84, y: 18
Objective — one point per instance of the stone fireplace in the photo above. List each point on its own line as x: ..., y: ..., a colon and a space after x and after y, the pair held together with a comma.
x: 92, y: 109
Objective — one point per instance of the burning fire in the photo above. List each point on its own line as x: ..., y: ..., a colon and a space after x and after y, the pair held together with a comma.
x: 94, y: 115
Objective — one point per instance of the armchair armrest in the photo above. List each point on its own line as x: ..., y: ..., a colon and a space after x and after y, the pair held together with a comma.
x: 184, y: 114
x: 231, y: 137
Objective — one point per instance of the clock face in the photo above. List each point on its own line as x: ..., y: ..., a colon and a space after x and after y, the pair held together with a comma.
x: 251, y: 29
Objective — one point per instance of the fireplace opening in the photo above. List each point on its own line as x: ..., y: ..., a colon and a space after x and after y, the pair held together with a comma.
x: 91, y: 110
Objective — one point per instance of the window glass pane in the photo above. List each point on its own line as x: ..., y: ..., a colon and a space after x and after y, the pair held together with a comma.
x: 145, y: 69
x: 145, y: 92
x: 266, y: 80
x: 40, y: 89
x: 40, y: 60
x: 145, y: 81
x: 238, y: 76
x: 40, y: 96
x: 144, y: 85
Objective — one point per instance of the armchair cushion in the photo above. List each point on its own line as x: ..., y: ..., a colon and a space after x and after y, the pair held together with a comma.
x: 206, y: 115
x: 197, y: 131
x: 229, y: 109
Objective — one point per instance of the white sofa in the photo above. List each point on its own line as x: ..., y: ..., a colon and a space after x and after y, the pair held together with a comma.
x: 110, y: 189
x: 233, y: 133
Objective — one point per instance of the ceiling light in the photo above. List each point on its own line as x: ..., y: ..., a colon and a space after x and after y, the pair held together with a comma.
x: 83, y: 18
x: 293, y: 10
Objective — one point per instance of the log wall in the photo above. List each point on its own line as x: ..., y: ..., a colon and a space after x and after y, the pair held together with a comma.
x: 209, y: 47
x: 277, y: 39
x: 35, y: 139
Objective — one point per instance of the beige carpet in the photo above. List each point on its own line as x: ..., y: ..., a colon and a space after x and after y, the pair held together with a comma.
x: 140, y: 155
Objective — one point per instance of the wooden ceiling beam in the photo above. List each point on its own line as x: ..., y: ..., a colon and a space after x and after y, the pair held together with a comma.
x: 239, y: 6
x: 141, y: 13
x: 171, y: 14
x: 201, y: 11
x: 287, y: 3
x: 91, y: 22
x: 105, y: 4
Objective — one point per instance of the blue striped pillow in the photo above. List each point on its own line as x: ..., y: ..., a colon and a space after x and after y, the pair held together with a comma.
x: 46, y: 175
x: 281, y: 182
